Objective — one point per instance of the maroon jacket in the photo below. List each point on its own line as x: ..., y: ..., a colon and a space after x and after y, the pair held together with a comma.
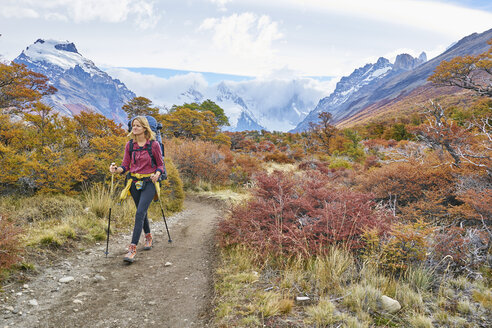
x: 140, y: 161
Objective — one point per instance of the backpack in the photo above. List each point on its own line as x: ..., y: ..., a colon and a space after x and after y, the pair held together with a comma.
x: 156, y: 128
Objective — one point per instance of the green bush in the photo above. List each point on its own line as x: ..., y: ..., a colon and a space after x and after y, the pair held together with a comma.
x: 338, y: 163
x: 172, y: 192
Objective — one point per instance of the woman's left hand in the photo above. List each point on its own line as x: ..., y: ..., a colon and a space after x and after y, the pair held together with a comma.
x: 154, y: 177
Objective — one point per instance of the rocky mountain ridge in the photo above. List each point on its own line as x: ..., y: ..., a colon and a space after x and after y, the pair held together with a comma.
x: 361, y: 81
x: 81, y: 84
x: 269, y: 104
x: 253, y: 105
x: 406, y: 75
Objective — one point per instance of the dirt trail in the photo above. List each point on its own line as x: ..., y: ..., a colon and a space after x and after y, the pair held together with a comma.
x: 106, y: 292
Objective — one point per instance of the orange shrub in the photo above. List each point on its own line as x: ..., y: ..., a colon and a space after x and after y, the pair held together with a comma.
x: 244, y: 167
x: 479, y: 202
x: 199, y: 160
x: 376, y: 144
x: 431, y: 190
x: 278, y: 157
x: 297, y: 153
x: 404, y: 245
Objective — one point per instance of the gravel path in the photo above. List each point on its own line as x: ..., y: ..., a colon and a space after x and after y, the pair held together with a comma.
x: 168, y: 286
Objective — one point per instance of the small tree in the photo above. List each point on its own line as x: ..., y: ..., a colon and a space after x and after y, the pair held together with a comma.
x: 19, y: 87
x: 471, y: 144
x: 140, y: 106
x: 207, y: 106
x: 184, y: 122
x: 323, y: 131
x: 10, y: 243
x: 467, y: 72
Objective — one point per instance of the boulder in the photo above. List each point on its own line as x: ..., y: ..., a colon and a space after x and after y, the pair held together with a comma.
x: 389, y: 305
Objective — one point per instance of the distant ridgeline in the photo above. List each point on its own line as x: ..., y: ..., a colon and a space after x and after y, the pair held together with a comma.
x: 377, y: 84
x: 250, y: 104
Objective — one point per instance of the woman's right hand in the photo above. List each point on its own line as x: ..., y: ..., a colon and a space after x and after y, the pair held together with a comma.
x: 112, y: 168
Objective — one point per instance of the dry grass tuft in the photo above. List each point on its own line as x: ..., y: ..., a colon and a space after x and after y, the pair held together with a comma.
x: 362, y: 298
x: 420, y: 321
x: 99, y: 199
x: 334, y: 270
x: 409, y: 299
x: 285, y: 305
x: 324, y: 313
x: 272, y: 166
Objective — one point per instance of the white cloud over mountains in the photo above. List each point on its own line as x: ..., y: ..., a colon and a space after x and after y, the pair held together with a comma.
x: 267, y: 98
x: 162, y: 92
x: 245, y: 35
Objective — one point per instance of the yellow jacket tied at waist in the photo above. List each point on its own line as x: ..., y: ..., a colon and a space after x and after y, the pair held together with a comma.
x: 126, y: 191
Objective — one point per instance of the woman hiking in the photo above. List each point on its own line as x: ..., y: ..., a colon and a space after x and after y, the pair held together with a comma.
x: 143, y: 160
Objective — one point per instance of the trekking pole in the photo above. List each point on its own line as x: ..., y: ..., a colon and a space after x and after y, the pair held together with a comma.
x: 109, y: 215
x: 164, y: 217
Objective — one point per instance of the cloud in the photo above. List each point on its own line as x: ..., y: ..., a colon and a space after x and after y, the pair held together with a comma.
x: 279, y: 103
x: 221, y: 4
x: 146, y: 16
x: 271, y: 94
x: 162, y: 92
x: 12, y: 11
x: 445, y: 18
x: 56, y: 17
x: 112, y: 11
x: 246, y: 35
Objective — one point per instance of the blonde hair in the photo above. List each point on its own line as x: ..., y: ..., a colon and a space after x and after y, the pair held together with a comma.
x: 149, y: 134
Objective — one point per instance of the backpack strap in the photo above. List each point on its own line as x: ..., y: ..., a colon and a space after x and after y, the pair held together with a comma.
x: 131, y: 151
x: 149, y: 149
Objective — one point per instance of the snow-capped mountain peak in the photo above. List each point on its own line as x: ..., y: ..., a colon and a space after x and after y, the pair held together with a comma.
x: 360, y: 82
x: 62, y: 54
x: 81, y: 84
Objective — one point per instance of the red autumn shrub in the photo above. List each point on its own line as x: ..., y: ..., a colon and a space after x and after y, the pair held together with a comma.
x: 315, y: 165
x: 265, y: 146
x: 293, y: 215
x: 245, y: 145
x: 10, y: 246
x: 371, y: 161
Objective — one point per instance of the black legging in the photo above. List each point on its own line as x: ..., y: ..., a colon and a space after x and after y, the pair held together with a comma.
x: 142, y: 199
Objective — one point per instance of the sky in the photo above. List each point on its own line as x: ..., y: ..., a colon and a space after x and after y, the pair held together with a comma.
x: 251, y: 38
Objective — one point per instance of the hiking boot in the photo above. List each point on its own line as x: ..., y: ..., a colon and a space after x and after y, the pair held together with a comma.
x: 148, y: 241
x: 132, y: 251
